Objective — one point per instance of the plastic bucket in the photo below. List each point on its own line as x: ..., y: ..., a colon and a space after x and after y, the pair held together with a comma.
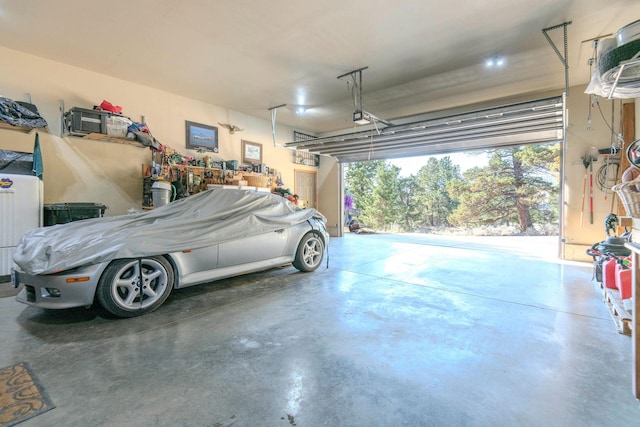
x: 161, y: 193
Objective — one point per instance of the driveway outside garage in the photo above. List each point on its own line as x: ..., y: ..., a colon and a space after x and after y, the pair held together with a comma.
x: 544, y: 247
x: 399, y: 330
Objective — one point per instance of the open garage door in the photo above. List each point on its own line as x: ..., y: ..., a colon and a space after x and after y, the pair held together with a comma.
x: 532, y: 122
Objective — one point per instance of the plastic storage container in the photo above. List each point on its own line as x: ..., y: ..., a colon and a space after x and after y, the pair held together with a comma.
x: 62, y: 213
x: 162, y: 193
x: 117, y: 126
x: 81, y: 121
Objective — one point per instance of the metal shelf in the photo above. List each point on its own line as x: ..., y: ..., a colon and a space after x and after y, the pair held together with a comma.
x: 631, y: 62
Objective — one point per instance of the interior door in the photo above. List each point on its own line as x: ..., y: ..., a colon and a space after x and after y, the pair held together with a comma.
x: 305, y: 186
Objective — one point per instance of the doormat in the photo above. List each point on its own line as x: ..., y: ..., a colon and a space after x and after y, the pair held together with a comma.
x: 21, y: 396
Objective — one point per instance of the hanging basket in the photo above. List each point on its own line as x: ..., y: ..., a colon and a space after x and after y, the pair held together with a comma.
x: 629, y: 196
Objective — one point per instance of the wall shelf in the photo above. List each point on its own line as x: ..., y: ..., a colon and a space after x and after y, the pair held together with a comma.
x: 108, y: 138
x: 5, y: 125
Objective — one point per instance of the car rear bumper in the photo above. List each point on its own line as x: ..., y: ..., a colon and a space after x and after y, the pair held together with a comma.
x: 73, y: 288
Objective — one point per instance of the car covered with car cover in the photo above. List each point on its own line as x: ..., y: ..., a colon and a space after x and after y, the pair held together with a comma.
x: 129, y: 264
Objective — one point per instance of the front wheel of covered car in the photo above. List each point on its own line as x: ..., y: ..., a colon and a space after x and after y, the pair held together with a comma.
x: 310, y: 253
x: 131, y: 287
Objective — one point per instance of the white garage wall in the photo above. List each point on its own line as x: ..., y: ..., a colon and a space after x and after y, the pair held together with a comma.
x: 83, y: 170
x: 579, y: 140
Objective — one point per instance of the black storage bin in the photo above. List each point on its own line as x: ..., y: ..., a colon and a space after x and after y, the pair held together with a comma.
x: 62, y: 213
x: 81, y: 121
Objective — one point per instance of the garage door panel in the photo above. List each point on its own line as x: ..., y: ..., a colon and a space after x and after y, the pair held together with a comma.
x: 531, y: 131
x: 530, y: 122
x: 450, y: 147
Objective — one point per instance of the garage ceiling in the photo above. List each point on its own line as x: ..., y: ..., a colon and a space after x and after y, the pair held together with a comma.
x: 248, y: 56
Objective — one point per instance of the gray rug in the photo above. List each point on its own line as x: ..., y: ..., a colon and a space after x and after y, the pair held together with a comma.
x: 7, y: 290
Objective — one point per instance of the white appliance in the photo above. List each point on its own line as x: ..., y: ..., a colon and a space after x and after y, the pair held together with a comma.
x: 20, y: 211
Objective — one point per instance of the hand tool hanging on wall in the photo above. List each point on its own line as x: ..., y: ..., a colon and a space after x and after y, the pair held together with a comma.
x: 613, y: 150
x: 587, y: 160
x: 584, y: 189
x: 592, y: 156
x: 591, y: 189
x: 154, y: 170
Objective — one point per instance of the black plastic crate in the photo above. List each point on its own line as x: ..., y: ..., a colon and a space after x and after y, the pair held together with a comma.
x: 62, y: 213
x: 81, y: 121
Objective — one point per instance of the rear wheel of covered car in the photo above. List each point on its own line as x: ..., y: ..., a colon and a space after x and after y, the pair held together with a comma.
x: 310, y: 253
x: 131, y: 287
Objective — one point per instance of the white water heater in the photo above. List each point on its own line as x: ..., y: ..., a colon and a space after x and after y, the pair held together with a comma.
x: 21, y: 198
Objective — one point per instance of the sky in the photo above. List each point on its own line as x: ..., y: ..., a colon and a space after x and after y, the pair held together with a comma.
x: 411, y: 165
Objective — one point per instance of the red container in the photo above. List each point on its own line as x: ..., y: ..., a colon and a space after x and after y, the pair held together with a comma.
x: 623, y: 282
x: 609, y: 273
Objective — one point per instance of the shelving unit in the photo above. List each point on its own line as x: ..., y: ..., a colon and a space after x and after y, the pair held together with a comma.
x: 197, y: 177
x: 635, y: 320
x: 109, y: 138
x: 306, y: 158
x: 633, y: 62
x: 92, y: 124
x: 4, y: 125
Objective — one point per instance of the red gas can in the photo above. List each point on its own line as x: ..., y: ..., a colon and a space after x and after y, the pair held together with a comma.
x: 609, y: 273
x: 623, y: 282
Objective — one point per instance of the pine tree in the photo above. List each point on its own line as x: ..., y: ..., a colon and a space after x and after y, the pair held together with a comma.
x: 386, y: 207
x: 517, y: 185
x: 409, y: 203
x: 432, y: 200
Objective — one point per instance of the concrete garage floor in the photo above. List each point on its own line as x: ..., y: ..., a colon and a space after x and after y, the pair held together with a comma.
x: 399, y: 331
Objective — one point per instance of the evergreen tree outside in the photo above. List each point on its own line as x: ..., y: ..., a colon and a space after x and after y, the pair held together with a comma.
x: 385, y: 211
x: 360, y: 181
x: 518, y: 186
x: 409, y: 203
x: 433, y: 202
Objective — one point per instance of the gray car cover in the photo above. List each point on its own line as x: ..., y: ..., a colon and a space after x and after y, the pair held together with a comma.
x: 207, y: 218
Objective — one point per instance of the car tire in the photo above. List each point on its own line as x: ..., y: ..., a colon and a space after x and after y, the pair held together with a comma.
x: 610, y: 61
x: 119, y: 291
x: 310, y: 253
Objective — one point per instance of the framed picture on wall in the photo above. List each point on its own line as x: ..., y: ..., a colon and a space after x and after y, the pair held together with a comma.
x: 251, y: 152
x: 203, y: 137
